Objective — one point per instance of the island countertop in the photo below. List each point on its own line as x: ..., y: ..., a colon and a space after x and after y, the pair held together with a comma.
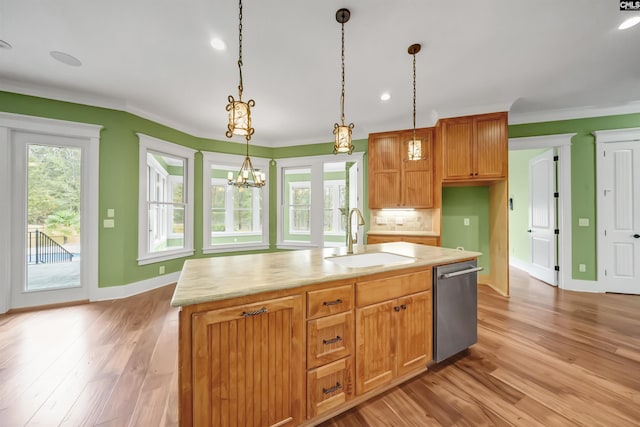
x: 220, y: 278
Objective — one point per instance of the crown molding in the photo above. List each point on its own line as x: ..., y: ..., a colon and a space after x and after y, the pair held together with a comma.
x: 572, y: 113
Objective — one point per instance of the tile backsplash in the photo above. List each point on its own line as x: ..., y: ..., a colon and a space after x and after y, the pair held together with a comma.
x: 419, y: 220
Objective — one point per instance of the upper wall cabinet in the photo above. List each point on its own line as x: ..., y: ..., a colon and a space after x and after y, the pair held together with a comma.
x: 473, y: 147
x: 396, y: 181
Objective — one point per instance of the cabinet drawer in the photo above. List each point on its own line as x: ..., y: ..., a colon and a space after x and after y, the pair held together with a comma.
x: 374, y: 291
x: 329, y: 386
x: 329, y: 301
x: 329, y: 338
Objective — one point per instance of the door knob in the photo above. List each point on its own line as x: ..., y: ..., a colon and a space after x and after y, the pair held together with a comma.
x: 636, y: 236
x: 529, y: 231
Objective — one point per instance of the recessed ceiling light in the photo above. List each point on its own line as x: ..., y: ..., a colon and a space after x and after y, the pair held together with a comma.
x: 629, y: 23
x: 65, y: 58
x: 385, y: 96
x: 5, y: 45
x: 218, y: 44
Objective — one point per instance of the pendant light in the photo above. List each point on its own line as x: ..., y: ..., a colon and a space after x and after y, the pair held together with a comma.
x: 341, y: 131
x: 414, y: 150
x: 240, y: 124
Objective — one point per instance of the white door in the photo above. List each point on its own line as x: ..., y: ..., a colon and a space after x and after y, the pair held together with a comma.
x: 48, y: 217
x: 542, y: 217
x: 620, y: 222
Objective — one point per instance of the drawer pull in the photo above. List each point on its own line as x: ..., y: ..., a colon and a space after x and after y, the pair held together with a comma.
x: 330, y: 390
x: 338, y: 338
x: 255, y: 312
x: 336, y: 302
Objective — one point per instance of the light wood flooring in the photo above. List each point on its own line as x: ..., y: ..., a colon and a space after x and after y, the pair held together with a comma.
x: 545, y: 357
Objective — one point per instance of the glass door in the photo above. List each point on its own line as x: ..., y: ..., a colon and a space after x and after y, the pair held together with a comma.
x: 48, y: 215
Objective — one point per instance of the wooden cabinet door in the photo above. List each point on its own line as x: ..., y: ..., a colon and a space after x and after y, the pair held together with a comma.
x: 248, y: 365
x: 329, y: 386
x: 457, y: 148
x: 417, y: 185
x: 413, y: 332
x: 384, y: 170
x: 491, y: 147
x: 375, y: 346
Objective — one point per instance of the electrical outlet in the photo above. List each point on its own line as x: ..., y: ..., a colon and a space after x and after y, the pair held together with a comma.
x: 399, y: 220
x: 582, y: 268
x: 467, y: 222
x: 111, y: 213
x: 583, y: 222
x: 161, y: 269
x: 109, y: 223
x: 381, y: 220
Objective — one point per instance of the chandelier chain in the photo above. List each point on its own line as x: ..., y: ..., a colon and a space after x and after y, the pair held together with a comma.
x: 240, y: 86
x: 342, y: 92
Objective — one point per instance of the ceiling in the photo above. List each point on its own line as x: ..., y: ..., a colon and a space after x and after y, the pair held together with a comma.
x: 154, y: 58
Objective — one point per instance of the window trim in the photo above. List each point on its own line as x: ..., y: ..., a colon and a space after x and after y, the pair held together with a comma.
x: 234, y: 161
x: 146, y: 144
x: 316, y: 164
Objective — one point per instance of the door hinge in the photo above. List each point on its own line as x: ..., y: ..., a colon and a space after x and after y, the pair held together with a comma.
x: 556, y: 194
x: 605, y: 233
x: 555, y: 158
x: 605, y: 271
x: 556, y: 231
x: 556, y: 268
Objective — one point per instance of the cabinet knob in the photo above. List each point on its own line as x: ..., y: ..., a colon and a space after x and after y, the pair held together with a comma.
x: 403, y: 306
x: 396, y: 308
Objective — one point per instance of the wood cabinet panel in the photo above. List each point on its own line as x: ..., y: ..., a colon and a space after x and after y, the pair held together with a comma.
x: 248, y: 364
x: 329, y: 301
x: 474, y: 147
x: 394, y: 180
x: 374, y: 291
x: 387, y: 238
x: 375, y: 346
x: 329, y: 386
x: 329, y: 338
x: 413, y: 332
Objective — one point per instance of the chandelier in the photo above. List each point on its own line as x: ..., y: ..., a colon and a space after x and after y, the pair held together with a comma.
x: 341, y: 131
x: 240, y: 124
x: 414, y: 151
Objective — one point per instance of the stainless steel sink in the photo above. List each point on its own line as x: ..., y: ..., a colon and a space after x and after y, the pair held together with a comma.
x: 369, y: 259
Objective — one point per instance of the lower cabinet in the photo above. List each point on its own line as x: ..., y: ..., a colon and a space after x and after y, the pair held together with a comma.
x: 248, y: 365
x: 392, y: 339
x: 329, y: 386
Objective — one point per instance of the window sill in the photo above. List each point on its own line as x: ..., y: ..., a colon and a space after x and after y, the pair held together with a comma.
x: 235, y: 248
x: 165, y: 256
x: 296, y: 246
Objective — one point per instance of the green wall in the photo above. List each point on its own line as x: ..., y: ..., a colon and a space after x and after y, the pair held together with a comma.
x: 583, y: 178
x: 519, y: 246
x: 118, y: 247
x: 471, y: 203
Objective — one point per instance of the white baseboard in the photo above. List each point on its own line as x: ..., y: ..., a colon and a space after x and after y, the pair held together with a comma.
x: 583, y: 286
x: 520, y: 265
x: 124, y: 291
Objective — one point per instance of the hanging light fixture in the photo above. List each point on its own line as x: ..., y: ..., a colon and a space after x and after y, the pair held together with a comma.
x: 414, y: 151
x: 240, y: 124
x: 239, y: 111
x: 341, y: 131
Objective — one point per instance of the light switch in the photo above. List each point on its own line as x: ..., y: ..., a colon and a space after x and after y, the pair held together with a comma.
x: 109, y: 223
x: 381, y: 220
x: 111, y: 213
x: 467, y: 222
x: 583, y: 222
x: 582, y: 268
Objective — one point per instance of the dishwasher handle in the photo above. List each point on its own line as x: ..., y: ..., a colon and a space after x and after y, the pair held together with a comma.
x: 461, y: 272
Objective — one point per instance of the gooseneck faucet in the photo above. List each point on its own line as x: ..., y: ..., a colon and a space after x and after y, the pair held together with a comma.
x: 350, y: 239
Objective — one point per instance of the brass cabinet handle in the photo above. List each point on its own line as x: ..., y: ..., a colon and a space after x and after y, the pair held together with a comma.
x: 328, y: 303
x: 255, y: 312
x: 338, y: 338
x: 330, y: 390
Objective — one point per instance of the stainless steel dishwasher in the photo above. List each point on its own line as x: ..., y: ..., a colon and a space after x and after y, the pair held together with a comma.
x: 455, y: 308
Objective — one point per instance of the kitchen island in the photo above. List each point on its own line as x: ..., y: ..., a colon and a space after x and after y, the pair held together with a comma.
x: 293, y: 338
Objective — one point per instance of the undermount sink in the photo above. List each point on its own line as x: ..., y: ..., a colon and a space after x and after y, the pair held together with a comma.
x: 369, y: 259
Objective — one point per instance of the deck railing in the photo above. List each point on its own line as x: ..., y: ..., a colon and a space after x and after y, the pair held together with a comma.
x: 42, y: 249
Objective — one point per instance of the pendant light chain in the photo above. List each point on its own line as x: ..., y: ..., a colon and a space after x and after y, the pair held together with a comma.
x: 414, y: 96
x: 342, y: 93
x: 240, y: 86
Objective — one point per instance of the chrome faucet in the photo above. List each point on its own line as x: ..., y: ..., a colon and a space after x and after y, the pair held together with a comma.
x: 350, y: 239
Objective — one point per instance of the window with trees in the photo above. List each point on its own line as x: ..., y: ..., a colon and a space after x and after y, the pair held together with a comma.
x: 166, y: 201
x: 234, y: 217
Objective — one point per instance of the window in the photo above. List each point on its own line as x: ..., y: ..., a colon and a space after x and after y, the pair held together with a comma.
x: 233, y: 216
x: 166, y: 201
x: 315, y: 194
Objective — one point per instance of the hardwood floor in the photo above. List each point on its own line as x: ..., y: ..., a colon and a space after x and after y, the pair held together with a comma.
x: 544, y: 357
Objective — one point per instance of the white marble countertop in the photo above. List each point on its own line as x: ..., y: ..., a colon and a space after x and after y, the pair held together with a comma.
x: 213, y: 279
